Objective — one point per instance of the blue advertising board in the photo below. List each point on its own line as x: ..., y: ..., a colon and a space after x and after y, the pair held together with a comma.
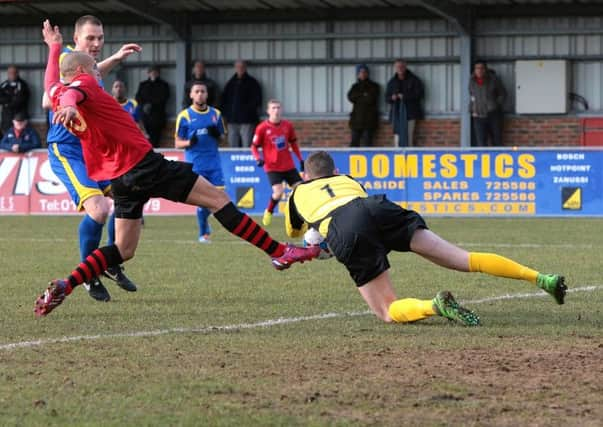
x: 452, y: 182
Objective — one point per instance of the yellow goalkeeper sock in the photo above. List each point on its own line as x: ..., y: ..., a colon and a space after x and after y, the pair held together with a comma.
x: 500, y: 266
x: 410, y: 310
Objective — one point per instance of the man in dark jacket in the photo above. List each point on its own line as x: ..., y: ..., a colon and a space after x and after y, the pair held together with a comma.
x: 14, y: 97
x: 241, y: 101
x: 198, y: 75
x: 152, y: 96
x: 364, y: 94
x: 21, y: 137
x: 487, y: 99
x: 404, y: 93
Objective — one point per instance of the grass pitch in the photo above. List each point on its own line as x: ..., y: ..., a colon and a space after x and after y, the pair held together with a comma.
x: 531, y: 363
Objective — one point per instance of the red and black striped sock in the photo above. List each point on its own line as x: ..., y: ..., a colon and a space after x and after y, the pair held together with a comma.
x: 272, y: 204
x: 241, y: 225
x: 94, y: 265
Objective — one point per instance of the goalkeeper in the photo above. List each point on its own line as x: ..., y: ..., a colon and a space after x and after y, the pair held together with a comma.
x: 199, y: 129
x: 361, y: 230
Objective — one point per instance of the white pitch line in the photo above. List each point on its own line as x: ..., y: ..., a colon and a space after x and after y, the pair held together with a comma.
x: 527, y: 245
x: 528, y: 295
x: 256, y: 325
x: 202, y: 330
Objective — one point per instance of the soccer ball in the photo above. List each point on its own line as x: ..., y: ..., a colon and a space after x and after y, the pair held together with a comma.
x: 313, y: 238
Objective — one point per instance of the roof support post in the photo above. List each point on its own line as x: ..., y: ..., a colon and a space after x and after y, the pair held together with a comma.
x: 466, y: 48
x: 183, y: 59
x: 462, y: 20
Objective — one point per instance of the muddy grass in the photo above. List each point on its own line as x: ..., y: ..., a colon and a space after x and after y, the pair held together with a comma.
x: 513, y: 386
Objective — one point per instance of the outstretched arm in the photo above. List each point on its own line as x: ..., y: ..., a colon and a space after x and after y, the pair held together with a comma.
x: 105, y: 67
x: 54, y: 40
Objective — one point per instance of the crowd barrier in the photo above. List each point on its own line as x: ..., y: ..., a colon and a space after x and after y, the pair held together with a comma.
x: 434, y: 182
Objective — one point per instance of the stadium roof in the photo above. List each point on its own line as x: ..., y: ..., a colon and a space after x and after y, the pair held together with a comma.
x: 25, y: 12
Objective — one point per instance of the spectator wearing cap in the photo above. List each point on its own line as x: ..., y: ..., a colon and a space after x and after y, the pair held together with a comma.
x: 364, y: 119
x: 404, y: 93
x: 152, y: 96
x: 14, y: 96
x: 241, y: 103
x: 21, y: 137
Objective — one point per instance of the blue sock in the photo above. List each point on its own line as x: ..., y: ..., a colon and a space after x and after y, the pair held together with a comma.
x: 202, y: 216
x: 111, y: 230
x: 90, y: 233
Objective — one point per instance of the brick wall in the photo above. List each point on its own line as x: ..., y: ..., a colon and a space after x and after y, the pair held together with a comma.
x: 433, y: 132
x: 518, y: 131
x: 542, y: 131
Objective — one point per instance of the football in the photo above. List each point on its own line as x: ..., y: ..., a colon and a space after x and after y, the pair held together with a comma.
x: 313, y: 238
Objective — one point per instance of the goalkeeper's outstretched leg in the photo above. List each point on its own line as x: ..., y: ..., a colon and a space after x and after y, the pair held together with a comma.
x: 439, y: 251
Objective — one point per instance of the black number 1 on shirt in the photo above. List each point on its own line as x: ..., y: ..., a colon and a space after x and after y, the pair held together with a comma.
x: 329, y: 190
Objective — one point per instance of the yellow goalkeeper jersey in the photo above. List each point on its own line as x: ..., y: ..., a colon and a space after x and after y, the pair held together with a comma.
x: 312, y: 202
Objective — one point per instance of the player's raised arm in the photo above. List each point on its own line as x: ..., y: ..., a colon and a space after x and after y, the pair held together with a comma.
x: 105, y: 66
x: 53, y: 38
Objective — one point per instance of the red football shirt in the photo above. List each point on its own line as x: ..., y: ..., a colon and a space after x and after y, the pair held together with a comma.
x: 111, y: 142
x: 275, y: 141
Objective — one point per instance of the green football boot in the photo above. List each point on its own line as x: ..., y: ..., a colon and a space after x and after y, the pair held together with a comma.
x: 554, y: 285
x: 446, y: 306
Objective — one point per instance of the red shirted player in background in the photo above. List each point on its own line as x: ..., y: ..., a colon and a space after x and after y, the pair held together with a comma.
x: 114, y: 148
x: 276, y: 138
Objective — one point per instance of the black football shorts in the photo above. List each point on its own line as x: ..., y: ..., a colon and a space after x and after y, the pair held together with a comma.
x: 290, y: 177
x: 365, y: 230
x: 153, y: 176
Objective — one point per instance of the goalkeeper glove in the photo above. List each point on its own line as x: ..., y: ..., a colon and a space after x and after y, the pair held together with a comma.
x: 213, y: 131
x: 193, y: 140
x: 301, y: 165
x: 260, y: 163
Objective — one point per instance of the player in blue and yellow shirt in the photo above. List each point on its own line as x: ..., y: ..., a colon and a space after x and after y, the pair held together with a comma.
x: 199, y: 129
x: 361, y: 230
x: 67, y: 161
x: 119, y: 92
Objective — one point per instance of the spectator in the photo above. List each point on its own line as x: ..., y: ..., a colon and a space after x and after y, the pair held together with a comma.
x: 21, y: 137
x: 364, y: 94
x: 241, y: 100
x: 198, y: 75
x: 119, y: 92
x: 487, y: 99
x: 152, y: 96
x: 404, y: 93
x: 14, y: 97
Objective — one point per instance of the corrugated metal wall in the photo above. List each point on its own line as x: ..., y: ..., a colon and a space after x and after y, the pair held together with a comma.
x: 578, y: 39
x: 313, y: 64
x: 24, y: 47
x: 310, y: 65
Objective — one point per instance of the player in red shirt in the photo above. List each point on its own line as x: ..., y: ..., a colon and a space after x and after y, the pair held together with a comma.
x: 115, y: 149
x: 276, y: 138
